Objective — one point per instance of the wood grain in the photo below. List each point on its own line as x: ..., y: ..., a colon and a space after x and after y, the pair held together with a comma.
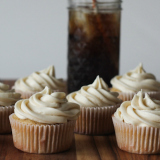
x: 83, y: 148
x: 108, y: 149
x: 86, y: 148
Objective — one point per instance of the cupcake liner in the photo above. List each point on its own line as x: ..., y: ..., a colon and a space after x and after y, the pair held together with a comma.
x: 61, y: 90
x: 128, y: 96
x: 137, y: 139
x: 155, y: 95
x: 95, y: 121
x: 5, y: 111
x: 25, y: 95
x: 42, y: 138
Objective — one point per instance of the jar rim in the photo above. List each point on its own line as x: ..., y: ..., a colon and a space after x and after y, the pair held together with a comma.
x: 116, y: 5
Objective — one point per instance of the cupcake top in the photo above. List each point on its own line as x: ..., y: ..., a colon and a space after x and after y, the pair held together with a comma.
x: 8, y: 97
x: 47, y: 107
x: 94, y: 95
x: 38, y: 80
x: 140, y: 111
x: 135, y: 80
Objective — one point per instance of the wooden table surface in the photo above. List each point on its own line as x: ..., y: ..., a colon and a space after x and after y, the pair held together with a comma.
x: 83, y: 148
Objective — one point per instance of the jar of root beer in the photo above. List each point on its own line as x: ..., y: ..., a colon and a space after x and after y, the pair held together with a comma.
x: 93, y: 41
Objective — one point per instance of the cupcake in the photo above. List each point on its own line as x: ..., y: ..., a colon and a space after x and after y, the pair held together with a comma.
x: 137, y: 125
x: 7, y: 100
x: 37, y: 81
x: 44, y: 123
x: 97, y: 105
x: 133, y: 81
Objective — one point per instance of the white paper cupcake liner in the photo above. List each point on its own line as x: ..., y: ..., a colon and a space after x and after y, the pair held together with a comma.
x: 25, y: 95
x: 95, y: 121
x: 5, y: 111
x: 137, y: 139
x: 42, y: 138
x: 126, y: 96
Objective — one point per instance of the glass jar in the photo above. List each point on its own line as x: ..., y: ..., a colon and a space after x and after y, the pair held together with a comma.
x: 93, y: 41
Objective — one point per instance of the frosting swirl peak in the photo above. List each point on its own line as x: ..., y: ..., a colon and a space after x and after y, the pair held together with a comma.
x: 99, y: 84
x: 47, y: 107
x: 140, y: 111
x: 37, y: 81
x: 94, y: 95
x: 135, y: 80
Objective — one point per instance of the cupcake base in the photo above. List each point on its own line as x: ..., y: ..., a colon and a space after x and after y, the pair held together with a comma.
x: 137, y: 139
x: 5, y: 111
x: 41, y: 138
x: 95, y: 121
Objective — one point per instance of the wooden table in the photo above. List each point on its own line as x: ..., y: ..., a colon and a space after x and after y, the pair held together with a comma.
x: 83, y: 148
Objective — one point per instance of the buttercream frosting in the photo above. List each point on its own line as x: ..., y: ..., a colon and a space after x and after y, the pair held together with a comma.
x: 135, y: 80
x: 96, y: 94
x: 38, y: 80
x: 47, y: 107
x: 8, y: 97
x: 140, y: 111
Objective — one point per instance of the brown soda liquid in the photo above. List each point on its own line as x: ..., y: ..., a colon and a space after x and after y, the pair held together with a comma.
x: 93, y: 47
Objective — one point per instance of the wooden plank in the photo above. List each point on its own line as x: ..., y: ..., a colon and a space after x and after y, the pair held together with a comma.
x: 105, y: 148
x: 108, y: 149
x: 86, y: 148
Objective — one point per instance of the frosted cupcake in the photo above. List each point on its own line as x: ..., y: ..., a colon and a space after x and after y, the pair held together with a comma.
x: 137, y: 125
x: 133, y: 81
x: 7, y: 100
x: 97, y: 105
x: 37, y: 81
x: 44, y: 123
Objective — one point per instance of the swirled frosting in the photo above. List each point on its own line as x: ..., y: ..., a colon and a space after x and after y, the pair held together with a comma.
x: 7, y: 97
x: 47, y: 107
x: 136, y: 80
x: 140, y: 111
x: 99, y: 84
x: 38, y: 80
x: 94, y: 95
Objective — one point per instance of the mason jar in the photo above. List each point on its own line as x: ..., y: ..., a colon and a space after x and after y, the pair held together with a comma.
x: 93, y: 41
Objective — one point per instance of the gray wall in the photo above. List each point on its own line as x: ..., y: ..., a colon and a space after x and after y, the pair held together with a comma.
x: 33, y: 35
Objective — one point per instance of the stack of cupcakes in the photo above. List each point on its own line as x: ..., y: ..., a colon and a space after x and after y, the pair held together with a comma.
x: 45, y: 122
